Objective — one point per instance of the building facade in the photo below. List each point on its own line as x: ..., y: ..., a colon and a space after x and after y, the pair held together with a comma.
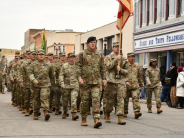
x: 112, y: 34
x: 158, y: 32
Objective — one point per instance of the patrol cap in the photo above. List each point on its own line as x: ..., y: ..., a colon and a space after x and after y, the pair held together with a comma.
x: 21, y: 55
x: 115, y: 44
x: 40, y: 52
x: 33, y: 52
x: 50, y: 54
x: 131, y: 54
x: 17, y: 52
x: 153, y: 60
x: 92, y: 38
x: 62, y: 54
x: 27, y: 51
x: 71, y: 55
x: 17, y: 56
x: 46, y: 56
x: 56, y: 56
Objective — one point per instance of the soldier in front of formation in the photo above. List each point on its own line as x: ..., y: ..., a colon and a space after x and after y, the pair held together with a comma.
x: 2, y: 79
x: 68, y: 80
x: 153, y: 85
x: 115, y: 90
x: 91, y: 74
x: 135, y: 80
x: 40, y: 74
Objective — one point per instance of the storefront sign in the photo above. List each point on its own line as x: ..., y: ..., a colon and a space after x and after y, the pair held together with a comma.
x: 160, y: 41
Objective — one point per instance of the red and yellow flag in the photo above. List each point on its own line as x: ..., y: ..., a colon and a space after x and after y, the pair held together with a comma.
x: 124, y: 12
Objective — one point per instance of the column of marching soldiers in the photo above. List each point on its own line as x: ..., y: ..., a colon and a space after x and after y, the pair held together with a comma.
x: 38, y: 81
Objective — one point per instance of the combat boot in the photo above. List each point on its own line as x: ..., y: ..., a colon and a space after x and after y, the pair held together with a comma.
x: 125, y: 115
x: 2, y: 92
x: 57, y: 112
x: 64, y: 115
x: 159, y: 111
x: 35, y: 116
x: 74, y: 116
x: 101, y: 112
x: 27, y: 112
x: 47, y: 116
x: 84, y: 123
x: 60, y: 111
x: 30, y: 111
x: 50, y: 110
x: 149, y: 110
x: 23, y: 110
x: 12, y: 103
x: 108, y: 118
x: 39, y: 113
x: 120, y: 120
x: 20, y: 109
x: 97, y: 123
x: 105, y: 114
x: 137, y: 115
x: 15, y: 104
x: 18, y: 106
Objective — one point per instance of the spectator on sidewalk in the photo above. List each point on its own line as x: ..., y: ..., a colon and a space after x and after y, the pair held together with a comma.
x: 174, y: 75
x: 179, y: 87
x: 166, y: 88
x: 144, y: 93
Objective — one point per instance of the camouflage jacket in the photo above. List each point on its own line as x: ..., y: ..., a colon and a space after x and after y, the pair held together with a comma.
x: 41, y: 71
x: 152, y: 77
x: 2, y: 76
x: 14, y: 71
x: 90, y: 67
x: 68, y: 76
x: 135, y: 77
x: 57, y: 68
x: 10, y: 69
x: 19, y: 63
x: 111, y: 65
x: 24, y: 70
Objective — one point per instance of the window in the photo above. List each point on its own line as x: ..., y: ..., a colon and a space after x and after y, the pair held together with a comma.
x: 62, y: 48
x: 155, y: 11
x: 167, y: 10
x: 178, y: 8
x: 140, y: 13
x: 148, y: 2
x: 73, y: 49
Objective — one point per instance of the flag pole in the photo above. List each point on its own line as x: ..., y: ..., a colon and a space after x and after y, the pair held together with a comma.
x: 119, y: 45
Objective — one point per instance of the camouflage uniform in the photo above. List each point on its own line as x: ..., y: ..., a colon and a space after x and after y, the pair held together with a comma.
x: 43, y: 72
x: 116, y: 88
x: 90, y: 65
x: 2, y: 80
x: 153, y: 78
x: 135, y: 80
x: 69, y: 80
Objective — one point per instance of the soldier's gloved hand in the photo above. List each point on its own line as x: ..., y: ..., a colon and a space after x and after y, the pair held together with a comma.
x: 81, y: 81
x: 104, y: 82
x: 36, y: 82
x: 118, y: 58
x: 118, y: 68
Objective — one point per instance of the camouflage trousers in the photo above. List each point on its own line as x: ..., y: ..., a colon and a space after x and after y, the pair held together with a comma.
x: 70, y: 95
x: 14, y: 92
x: 135, y: 100
x: 78, y: 100
x: 1, y: 86
x: 28, y: 98
x: 41, y: 95
x: 115, y: 94
x: 57, y: 94
x: 22, y: 89
x: 52, y: 99
x: 92, y: 91
x: 18, y: 94
x: 156, y: 91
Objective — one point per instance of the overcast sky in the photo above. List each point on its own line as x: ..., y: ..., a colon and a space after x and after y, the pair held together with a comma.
x: 17, y: 16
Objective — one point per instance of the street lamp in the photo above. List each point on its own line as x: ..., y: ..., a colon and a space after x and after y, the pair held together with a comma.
x: 105, y: 44
x: 54, y: 46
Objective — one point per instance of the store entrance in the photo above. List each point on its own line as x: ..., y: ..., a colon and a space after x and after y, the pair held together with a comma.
x: 162, y: 60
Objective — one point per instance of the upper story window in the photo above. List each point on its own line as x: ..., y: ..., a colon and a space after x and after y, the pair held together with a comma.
x: 63, y: 48
x: 155, y: 11
x: 73, y: 49
x: 178, y: 8
x: 141, y: 13
x: 148, y: 2
x: 167, y: 10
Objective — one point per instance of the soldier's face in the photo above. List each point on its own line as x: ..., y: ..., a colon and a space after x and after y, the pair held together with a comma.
x: 154, y: 63
x: 50, y: 57
x: 92, y: 45
x: 131, y: 59
x: 115, y: 49
x: 63, y: 58
x: 33, y: 57
x: 71, y: 59
x: 41, y: 57
x: 28, y: 56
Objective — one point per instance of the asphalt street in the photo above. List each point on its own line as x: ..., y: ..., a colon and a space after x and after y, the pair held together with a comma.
x: 169, y: 124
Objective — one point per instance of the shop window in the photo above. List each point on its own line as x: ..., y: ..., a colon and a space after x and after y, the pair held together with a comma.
x: 137, y: 58
x: 167, y: 10
x: 148, y: 2
x: 74, y: 49
x: 140, y: 13
x: 178, y: 8
x: 155, y: 11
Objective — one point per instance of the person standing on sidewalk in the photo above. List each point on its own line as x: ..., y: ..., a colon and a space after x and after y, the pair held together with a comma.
x: 153, y: 85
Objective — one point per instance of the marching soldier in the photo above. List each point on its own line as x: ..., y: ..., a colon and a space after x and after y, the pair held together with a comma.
x: 2, y: 79
x: 40, y: 74
x: 69, y: 82
x: 153, y: 85
x: 135, y: 80
x: 91, y: 72
x: 116, y: 84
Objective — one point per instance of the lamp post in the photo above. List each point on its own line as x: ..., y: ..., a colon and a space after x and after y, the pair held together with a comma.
x: 105, y: 44
x: 59, y: 45
x: 54, y: 47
